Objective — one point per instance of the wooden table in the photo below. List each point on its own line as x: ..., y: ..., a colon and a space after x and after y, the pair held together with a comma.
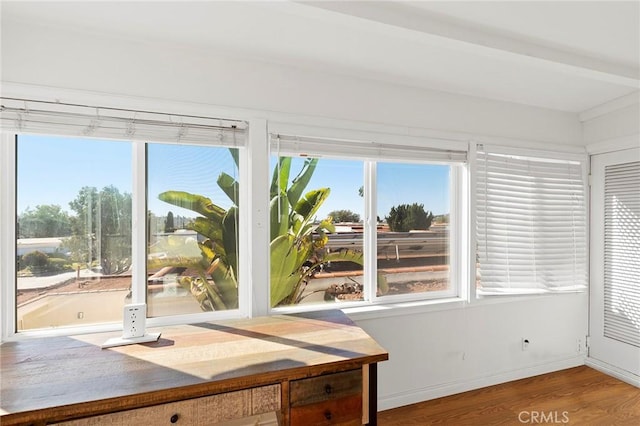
x: 309, y: 368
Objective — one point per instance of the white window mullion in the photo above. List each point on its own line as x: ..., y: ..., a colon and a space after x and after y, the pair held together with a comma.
x: 255, y: 235
x: 457, y: 257
x: 471, y: 221
x: 8, y: 234
x: 139, y: 225
x: 370, y: 232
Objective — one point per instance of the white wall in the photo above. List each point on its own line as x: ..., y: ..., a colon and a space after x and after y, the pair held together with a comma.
x: 432, y: 352
x: 81, y: 61
x: 614, y: 125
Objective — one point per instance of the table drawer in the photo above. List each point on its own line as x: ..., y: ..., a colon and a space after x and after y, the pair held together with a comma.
x: 206, y: 410
x: 326, y: 387
x: 342, y: 411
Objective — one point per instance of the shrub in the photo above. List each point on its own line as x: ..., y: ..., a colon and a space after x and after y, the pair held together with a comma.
x: 35, y: 262
x: 58, y: 265
x: 35, y: 259
x: 406, y: 217
x: 344, y: 216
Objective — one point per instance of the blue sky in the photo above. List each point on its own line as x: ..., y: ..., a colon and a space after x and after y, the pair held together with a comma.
x: 51, y: 170
x: 397, y: 184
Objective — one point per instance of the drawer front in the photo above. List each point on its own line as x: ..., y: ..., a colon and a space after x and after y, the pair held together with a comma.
x: 324, y: 388
x: 342, y: 411
x: 182, y: 412
x: 205, y: 410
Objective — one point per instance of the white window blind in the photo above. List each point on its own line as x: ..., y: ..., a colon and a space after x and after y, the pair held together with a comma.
x: 54, y: 118
x: 622, y: 252
x: 531, y: 224
x: 364, y: 150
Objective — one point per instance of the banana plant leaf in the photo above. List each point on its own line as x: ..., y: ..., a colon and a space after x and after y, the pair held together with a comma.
x: 229, y: 238
x: 301, y: 181
x: 280, y: 178
x: 345, y: 255
x: 309, y: 205
x: 193, y: 202
x: 230, y: 187
x: 284, y: 261
x: 279, y: 216
x: 235, y: 153
x: 226, y: 284
x: 207, y: 228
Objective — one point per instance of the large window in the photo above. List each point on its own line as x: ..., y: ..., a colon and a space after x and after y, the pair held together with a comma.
x: 114, y: 207
x: 348, y: 227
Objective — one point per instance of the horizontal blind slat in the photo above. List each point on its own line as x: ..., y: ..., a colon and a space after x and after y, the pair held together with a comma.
x: 531, y: 224
x: 622, y: 253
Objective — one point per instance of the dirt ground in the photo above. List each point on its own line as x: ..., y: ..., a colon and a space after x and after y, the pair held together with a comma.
x: 417, y: 286
x: 124, y: 282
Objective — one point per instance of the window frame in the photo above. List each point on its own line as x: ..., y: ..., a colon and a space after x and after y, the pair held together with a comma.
x: 8, y: 244
x: 458, y: 238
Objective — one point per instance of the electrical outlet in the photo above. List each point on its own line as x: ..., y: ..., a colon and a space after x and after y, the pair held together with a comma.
x: 134, y: 320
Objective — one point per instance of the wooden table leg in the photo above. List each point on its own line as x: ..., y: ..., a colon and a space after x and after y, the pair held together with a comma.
x: 373, y: 394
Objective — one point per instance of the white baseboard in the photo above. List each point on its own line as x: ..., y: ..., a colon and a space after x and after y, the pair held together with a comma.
x: 616, y: 372
x: 437, y: 391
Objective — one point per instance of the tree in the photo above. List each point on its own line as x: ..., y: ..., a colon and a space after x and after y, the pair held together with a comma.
x: 344, y: 216
x: 407, y: 217
x: 44, y: 221
x: 102, y: 228
x: 168, y: 223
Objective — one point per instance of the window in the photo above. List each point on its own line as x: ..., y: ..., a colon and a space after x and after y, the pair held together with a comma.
x: 413, y: 215
x: 348, y: 226
x: 116, y: 207
x: 316, y: 231
x: 73, y: 230
x: 531, y: 223
x: 192, y: 229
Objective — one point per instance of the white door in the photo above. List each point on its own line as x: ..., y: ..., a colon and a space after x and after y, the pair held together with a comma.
x: 614, y: 317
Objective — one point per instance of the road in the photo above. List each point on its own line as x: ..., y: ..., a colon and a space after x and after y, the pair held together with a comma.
x: 30, y: 283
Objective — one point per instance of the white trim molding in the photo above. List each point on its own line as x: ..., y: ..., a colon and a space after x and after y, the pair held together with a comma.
x: 616, y: 372
x: 615, y: 144
x: 445, y: 389
x: 611, y: 106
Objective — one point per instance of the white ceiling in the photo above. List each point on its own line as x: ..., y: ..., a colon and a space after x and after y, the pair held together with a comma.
x: 570, y: 56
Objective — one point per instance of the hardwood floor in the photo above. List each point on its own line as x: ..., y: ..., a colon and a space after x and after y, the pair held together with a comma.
x: 576, y: 396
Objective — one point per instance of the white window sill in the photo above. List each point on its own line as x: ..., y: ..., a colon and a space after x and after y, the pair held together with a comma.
x: 384, y: 310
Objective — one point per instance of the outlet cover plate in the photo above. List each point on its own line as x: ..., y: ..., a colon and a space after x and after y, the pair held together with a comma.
x: 134, y: 320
